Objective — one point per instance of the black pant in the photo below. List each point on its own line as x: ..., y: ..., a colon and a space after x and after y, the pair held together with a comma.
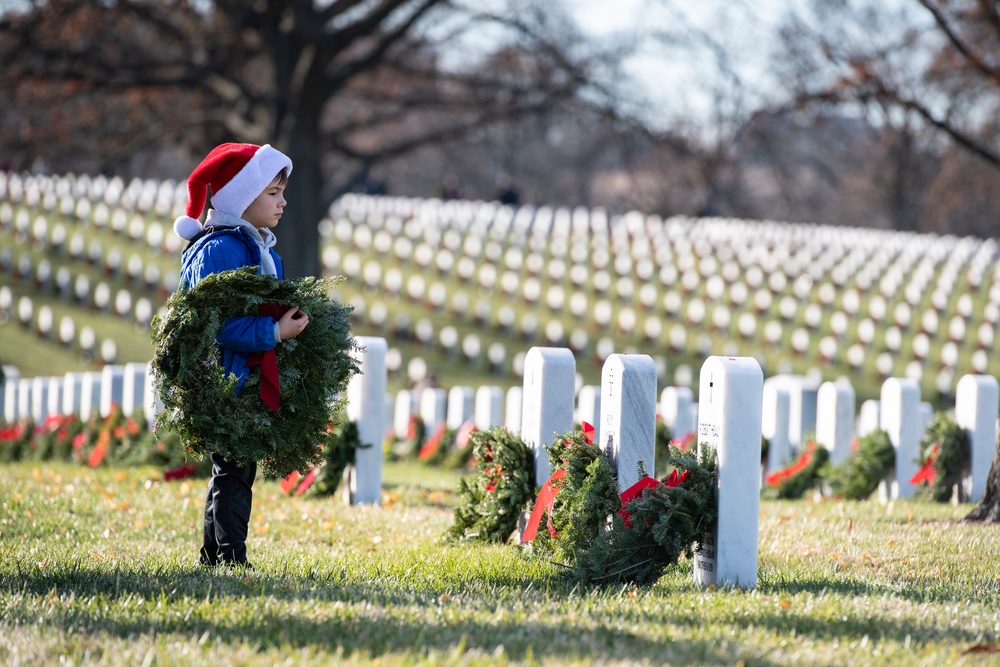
x: 227, y: 512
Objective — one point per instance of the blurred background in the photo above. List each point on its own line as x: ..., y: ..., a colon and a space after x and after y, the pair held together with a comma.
x: 854, y: 114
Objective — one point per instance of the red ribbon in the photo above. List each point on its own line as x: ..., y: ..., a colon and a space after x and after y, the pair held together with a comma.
x: 270, y: 391
x: 288, y: 483
x: 544, y: 502
x: 547, y: 496
x: 801, y: 464
x: 634, y: 491
x: 307, y: 481
x: 927, y: 472
x: 433, y: 443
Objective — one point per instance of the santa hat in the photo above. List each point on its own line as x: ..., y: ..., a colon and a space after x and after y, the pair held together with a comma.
x: 237, y: 174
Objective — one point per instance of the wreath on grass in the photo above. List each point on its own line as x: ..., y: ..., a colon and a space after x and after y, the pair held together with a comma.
x: 200, y: 399
x: 658, y: 523
x: 946, y: 457
x: 794, y: 480
x: 339, y: 452
x: 490, y: 501
x: 859, y: 476
x: 603, y: 536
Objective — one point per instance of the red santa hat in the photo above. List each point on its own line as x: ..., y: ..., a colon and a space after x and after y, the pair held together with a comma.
x: 237, y: 174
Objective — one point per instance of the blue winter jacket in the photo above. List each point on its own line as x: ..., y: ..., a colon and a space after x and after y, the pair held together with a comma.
x: 222, y: 250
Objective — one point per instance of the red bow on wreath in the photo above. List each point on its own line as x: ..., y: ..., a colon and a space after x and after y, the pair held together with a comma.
x: 634, y: 491
x: 547, y: 496
x: 270, y: 391
x: 927, y: 472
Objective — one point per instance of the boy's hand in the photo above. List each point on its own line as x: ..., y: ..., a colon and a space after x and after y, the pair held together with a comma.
x: 292, y: 323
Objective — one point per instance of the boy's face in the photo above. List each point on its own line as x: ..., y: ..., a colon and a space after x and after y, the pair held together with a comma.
x: 266, y: 209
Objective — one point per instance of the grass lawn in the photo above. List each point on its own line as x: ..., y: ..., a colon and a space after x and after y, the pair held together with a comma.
x: 97, y: 567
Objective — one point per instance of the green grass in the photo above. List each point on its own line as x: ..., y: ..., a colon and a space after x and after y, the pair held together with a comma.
x: 96, y: 567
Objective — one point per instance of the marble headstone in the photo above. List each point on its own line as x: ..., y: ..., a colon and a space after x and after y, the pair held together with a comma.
x: 433, y: 407
x: 869, y: 417
x: 112, y: 383
x: 488, y: 407
x: 513, y: 403
x: 365, y: 404
x: 900, y: 410
x: 774, y: 425
x: 835, y: 419
x: 460, y: 405
x: 977, y: 403
x: 628, y: 415
x: 547, y: 403
x: 675, y: 409
x: 588, y: 407
x: 730, y: 396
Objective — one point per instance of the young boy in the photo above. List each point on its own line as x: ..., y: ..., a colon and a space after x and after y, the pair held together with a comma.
x: 247, y: 185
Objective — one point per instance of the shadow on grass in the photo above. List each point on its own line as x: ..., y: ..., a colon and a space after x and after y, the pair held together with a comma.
x: 405, y: 622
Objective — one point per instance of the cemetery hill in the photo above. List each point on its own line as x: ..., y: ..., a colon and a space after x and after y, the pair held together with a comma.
x: 573, y: 438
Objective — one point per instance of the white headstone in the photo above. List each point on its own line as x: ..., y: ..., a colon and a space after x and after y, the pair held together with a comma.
x: 365, y: 404
x: 112, y: 384
x: 90, y: 394
x: 900, y: 411
x: 8, y: 395
x: 926, y: 416
x: 489, y: 407
x: 977, y: 404
x: 513, y: 402
x: 72, y: 393
x: 869, y: 417
x: 588, y: 407
x: 460, y: 404
x: 835, y: 419
x: 24, y: 398
x: 628, y: 419
x: 133, y: 388
x: 774, y: 425
x: 730, y: 396
x: 675, y: 409
x: 547, y: 403
x: 55, y: 393
x: 802, y: 392
x: 404, y: 407
x: 387, y: 408
x: 39, y: 398
x: 433, y: 407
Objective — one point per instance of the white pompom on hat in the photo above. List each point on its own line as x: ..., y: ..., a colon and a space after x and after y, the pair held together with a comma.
x: 237, y: 174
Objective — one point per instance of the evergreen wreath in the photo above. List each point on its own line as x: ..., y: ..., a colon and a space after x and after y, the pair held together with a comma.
x: 490, y: 501
x: 199, y: 397
x: 946, y: 456
x: 587, y: 496
x: 339, y: 452
x: 792, y: 481
x: 859, y: 476
x: 653, y: 530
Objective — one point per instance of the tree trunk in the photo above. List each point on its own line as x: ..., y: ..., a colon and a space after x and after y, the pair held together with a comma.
x: 989, y: 507
x: 298, y: 234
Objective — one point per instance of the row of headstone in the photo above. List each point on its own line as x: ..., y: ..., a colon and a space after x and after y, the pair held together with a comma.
x: 83, y: 394
x: 795, y: 407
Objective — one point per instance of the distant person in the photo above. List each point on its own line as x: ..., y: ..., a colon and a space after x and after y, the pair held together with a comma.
x: 247, y: 185
x: 507, y: 194
x: 451, y: 187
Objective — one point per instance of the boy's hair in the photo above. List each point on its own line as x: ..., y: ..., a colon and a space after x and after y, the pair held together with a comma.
x: 282, y: 177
